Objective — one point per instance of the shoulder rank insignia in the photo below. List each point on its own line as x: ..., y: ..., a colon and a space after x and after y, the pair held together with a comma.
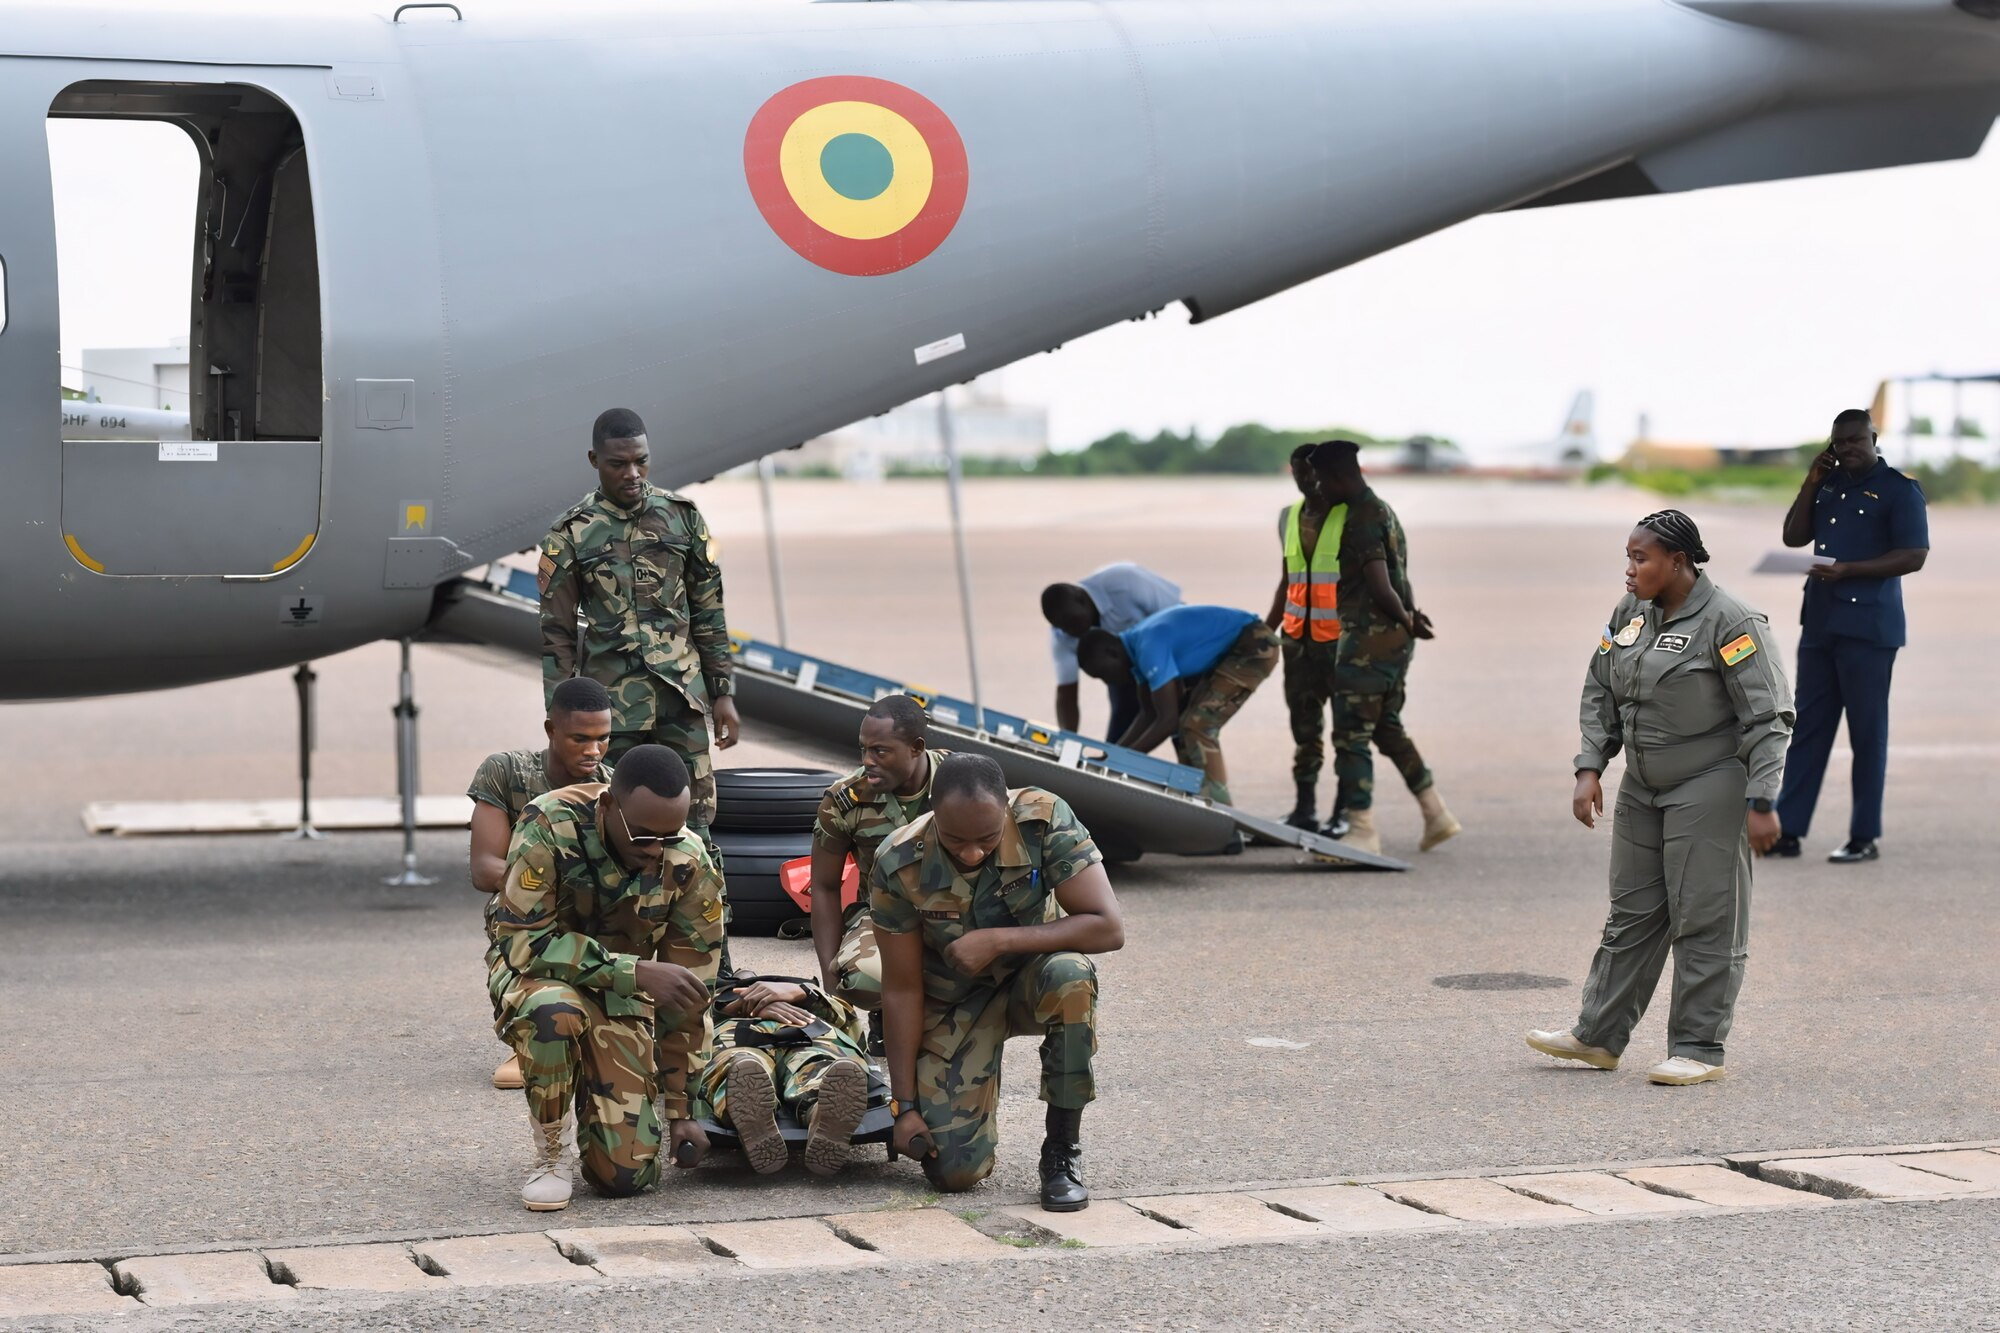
x: 1630, y: 634
x: 1737, y: 649
x: 712, y: 913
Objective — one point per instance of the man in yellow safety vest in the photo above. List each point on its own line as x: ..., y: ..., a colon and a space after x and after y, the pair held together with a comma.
x: 1306, y: 613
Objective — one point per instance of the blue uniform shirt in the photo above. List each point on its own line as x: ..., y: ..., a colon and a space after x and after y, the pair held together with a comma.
x: 1183, y: 641
x: 1124, y: 595
x: 1859, y: 519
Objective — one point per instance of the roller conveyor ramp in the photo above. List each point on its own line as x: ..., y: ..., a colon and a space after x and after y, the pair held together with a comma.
x: 1132, y: 803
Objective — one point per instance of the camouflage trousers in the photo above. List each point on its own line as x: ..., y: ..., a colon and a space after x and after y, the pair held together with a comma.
x: 796, y: 1072
x: 857, y: 964
x: 1223, y: 691
x: 1309, y: 680
x: 1368, y: 716
x: 682, y: 728
x: 574, y: 1054
x: 958, y: 1065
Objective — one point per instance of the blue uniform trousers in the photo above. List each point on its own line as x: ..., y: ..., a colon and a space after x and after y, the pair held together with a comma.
x: 1839, y: 675
x: 1124, y: 709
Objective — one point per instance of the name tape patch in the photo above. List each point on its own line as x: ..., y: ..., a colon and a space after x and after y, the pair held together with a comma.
x: 1671, y: 643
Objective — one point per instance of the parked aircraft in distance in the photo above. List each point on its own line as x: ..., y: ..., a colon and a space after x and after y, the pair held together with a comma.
x: 430, y: 245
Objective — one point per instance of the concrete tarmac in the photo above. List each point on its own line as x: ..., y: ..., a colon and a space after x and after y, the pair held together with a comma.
x: 217, y: 1039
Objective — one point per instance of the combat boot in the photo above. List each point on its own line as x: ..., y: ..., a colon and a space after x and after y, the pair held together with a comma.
x: 1440, y: 825
x: 842, y: 1101
x: 508, y: 1075
x: 1062, y: 1162
x: 752, y: 1101
x: 1361, y: 834
x: 1302, y: 813
x: 549, y: 1183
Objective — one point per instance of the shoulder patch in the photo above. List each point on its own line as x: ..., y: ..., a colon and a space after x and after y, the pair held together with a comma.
x: 1737, y: 649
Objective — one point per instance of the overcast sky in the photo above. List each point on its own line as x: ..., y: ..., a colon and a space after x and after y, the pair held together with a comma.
x: 1746, y: 315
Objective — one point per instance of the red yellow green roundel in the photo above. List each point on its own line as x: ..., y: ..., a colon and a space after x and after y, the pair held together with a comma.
x: 861, y: 176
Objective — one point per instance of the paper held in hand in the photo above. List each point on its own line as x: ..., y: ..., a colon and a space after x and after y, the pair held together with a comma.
x: 1789, y: 562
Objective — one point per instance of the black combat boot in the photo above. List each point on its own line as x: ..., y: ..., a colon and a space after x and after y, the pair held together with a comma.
x: 1062, y: 1162
x: 1302, y: 816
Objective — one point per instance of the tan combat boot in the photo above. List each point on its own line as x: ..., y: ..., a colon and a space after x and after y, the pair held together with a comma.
x: 508, y: 1075
x: 1439, y: 824
x: 843, y: 1100
x: 1565, y: 1046
x: 548, y: 1187
x: 1361, y: 834
x: 752, y: 1102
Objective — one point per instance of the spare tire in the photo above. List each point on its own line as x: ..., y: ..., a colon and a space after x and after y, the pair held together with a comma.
x: 758, y: 903
x: 769, y: 800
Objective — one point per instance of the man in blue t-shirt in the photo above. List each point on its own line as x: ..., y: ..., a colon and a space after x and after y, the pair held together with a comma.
x: 1193, y: 667
x: 1868, y: 522
x: 1114, y: 598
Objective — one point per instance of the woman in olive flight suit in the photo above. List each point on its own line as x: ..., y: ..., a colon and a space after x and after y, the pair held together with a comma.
x: 1685, y: 681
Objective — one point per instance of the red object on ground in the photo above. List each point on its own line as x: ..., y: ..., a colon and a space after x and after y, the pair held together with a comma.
x: 796, y: 877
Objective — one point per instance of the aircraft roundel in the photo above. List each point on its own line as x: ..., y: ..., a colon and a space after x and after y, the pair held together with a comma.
x: 860, y: 176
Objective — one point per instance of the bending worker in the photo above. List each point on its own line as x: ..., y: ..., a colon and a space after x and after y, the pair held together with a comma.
x: 1869, y: 520
x: 1305, y: 611
x: 578, y: 728
x: 1194, y: 667
x: 1686, y: 683
x: 891, y: 788
x: 986, y: 910
x: 1115, y: 598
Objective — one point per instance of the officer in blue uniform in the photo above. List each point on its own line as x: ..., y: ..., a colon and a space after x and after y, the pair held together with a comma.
x: 1868, y: 519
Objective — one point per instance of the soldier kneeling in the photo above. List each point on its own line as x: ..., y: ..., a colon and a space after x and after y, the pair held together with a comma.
x: 610, y: 923
x: 984, y: 911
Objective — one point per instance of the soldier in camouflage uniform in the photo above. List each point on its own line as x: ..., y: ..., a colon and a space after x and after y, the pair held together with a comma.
x: 891, y: 788
x: 1379, y: 627
x: 639, y: 564
x: 610, y: 923
x: 578, y: 728
x: 985, y: 910
x: 786, y: 1046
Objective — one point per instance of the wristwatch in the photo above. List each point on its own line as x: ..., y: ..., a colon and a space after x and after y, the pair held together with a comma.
x: 1761, y: 804
x: 897, y: 1106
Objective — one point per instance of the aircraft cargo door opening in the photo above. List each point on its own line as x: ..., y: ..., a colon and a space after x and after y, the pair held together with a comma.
x: 190, y: 310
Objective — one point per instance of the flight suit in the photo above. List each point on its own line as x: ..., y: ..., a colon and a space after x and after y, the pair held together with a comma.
x: 1699, y: 704
x: 508, y: 780
x: 1849, y: 633
x: 795, y: 1058
x: 1373, y: 659
x: 967, y: 1019
x: 649, y: 591
x: 572, y: 925
x: 855, y: 819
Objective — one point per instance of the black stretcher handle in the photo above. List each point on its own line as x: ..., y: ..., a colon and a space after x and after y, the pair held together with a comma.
x: 686, y: 1153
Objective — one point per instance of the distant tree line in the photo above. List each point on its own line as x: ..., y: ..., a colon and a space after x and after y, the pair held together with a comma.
x: 1249, y: 449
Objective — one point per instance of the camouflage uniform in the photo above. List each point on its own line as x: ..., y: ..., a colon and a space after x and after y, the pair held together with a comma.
x: 572, y: 925
x: 508, y: 780
x: 654, y: 634
x: 967, y: 1019
x: 795, y: 1058
x: 1375, y: 654
x: 855, y: 819
x: 1216, y: 697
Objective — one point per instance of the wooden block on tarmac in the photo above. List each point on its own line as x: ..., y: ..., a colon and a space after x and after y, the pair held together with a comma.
x: 44, y: 1289
x: 351, y: 1268
x: 1354, y: 1208
x: 785, y: 1242
x: 1861, y: 1178
x: 1602, y: 1195
x: 1226, y: 1216
x: 200, y: 1279
x: 1723, y: 1188
x: 918, y: 1233
x: 1107, y: 1222
x: 500, y: 1261
x: 639, y: 1251
x: 1974, y: 1166
x: 1475, y: 1200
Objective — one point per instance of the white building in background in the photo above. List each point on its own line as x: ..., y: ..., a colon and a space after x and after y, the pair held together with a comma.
x: 984, y: 425
x: 155, y: 377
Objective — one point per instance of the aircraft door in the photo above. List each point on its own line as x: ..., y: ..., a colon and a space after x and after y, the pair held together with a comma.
x: 30, y: 388
x: 237, y: 491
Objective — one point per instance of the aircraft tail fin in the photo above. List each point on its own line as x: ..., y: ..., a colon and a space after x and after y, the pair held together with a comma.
x: 1577, y: 445
x: 1878, y: 411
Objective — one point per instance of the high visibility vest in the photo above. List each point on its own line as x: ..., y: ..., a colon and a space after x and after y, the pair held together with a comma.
x: 1312, y: 587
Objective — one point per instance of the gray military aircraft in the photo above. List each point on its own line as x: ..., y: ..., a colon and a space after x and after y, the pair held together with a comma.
x: 430, y: 245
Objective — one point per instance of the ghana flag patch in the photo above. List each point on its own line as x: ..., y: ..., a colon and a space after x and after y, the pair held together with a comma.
x: 1737, y: 650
